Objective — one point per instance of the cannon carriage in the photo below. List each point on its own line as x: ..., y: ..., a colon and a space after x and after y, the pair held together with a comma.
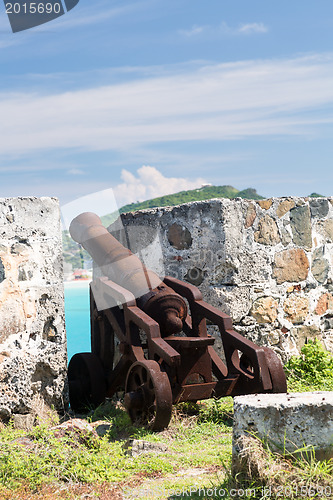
x: 149, y: 339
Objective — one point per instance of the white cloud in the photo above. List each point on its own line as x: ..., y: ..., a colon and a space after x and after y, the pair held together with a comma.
x: 249, y: 29
x: 150, y: 183
x: 75, y: 171
x: 146, y: 184
x: 195, y: 30
x: 209, y: 102
x: 225, y: 29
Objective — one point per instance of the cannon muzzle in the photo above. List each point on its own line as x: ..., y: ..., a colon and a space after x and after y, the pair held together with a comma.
x: 120, y: 265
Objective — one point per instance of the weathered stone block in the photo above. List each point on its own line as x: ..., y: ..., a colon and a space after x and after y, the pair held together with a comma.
x: 320, y: 265
x: 265, y: 204
x: 264, y: 310
x: 290, y: 265
x: 288, y: 422
x: 137, y: 447
x: 296, y: 308
x: 300, y: 221
x: 23, y: 422
x: 250, y: 215
x: 33, y: 362
x: 302, y: 334
x: 286, y: 237
x: 284, y: 207
x: 267, y: 233
x: 319, y: 207
x: 324, y: 303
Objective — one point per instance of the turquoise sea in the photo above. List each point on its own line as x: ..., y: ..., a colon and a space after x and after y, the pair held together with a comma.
x: 77, y: 315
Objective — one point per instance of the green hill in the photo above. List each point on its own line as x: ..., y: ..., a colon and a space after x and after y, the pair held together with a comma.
x: 200, y: 194
x: 74, y: 254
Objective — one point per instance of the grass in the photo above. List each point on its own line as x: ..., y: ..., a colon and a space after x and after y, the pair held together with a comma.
x: 281, y: 476
x: 43, y: 458
x: 195, y: 462
x: 44, y: 465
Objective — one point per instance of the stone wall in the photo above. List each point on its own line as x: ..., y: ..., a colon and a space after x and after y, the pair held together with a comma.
x: 266, y: 263
x: 33, y: 352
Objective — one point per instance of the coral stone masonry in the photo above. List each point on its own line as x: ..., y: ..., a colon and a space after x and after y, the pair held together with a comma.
x: 33, y: 351
x: 266, y: 263
x: 287, y: 422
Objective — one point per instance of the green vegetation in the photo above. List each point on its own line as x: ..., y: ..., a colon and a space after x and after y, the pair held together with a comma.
x: 200, y: 194
x: 46, y: 456
x: 73, y: 253
x: 272, y: 475
x: 316, y: 195
x: 312, y: 370
x: 76, y: 255
x: 50, y: 463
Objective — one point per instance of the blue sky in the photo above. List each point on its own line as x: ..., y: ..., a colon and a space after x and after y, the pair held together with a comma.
x: 149, y: 97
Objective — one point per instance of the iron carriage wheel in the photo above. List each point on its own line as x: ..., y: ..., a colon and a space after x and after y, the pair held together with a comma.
x: 104, y: 342
x: 86, y: 381
x: 148, y: 396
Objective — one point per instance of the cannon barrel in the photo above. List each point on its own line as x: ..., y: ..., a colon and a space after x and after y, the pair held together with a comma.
x: 120, y: 265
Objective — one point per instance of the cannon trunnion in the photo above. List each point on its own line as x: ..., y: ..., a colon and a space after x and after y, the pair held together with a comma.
x: 146, y: 342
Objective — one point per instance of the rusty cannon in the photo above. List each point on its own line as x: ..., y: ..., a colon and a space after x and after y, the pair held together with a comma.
x: 149, y: 339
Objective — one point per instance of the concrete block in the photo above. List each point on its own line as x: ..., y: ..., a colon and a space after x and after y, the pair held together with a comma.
x: 287, y: 422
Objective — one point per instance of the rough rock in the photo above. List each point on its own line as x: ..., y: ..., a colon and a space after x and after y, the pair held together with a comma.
x: 2, y: 271
x: 320, y: 265
x: 302, y: 334
x: 286, y: 237
x: 290, y: 265
x: 250, y: 215
x: 195, y: 276
x: 274, y: 337
x: 319, y: 207
x: 300, y: 221
x: 26, y: 442
x: 324, y: 303
x: 284, y: 207
x: 264, y: 310
x: 267, y: 233
x: 287, y: 421
x: 265, y: 204
x: 101, y: 427
x: 296, y: 308
x: 327, y: 229
x: 23, y: 422
x: 136, y: 447
x: 77, y: 429
x: 31, y: 302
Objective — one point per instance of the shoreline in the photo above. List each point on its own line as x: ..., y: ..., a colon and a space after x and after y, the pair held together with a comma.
x: 77, y: 283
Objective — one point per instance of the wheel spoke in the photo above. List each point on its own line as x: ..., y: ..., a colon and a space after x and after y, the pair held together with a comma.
x: 156, y: 391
